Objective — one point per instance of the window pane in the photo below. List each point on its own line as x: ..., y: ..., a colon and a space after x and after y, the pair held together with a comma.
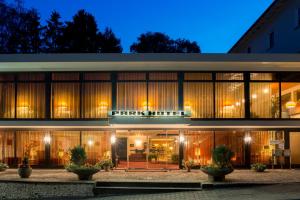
x: 95, y: 76
x: 230, y: 100
x: 61, y: 143
x: 164, y: 76
x: 31, y: 76
x: 7, y: 100
x: 7, y: 147
x: 132, y: 76
x: 31, y: 100
x: 163, y: 96
x: 31, y: 143
x: 290, y: 100
x: 198, y: 146
x: 234, y: 140
x: 290, y: 76
x: 131, y: 96
x: 97, y: 145
x: 7, y: 77
x: 264, y: 100
x: 261, y: 149
x: 65, y: 76
x: 65, y: 102
x: 198, y: 99
x: 96, y: 100
x: 197, y: 76
x: 230, y: 76
x: 263, y: 76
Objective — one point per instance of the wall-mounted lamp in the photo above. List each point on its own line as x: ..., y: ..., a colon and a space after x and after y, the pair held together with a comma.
x: 247, y: 139
x: 113, y: 139
x: 181, y: 138
x: 47, y: 139
x: 90, y: 142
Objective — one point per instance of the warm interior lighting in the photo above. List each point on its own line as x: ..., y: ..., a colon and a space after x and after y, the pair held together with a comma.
x: 290, y: 105
x: 138, y: 142
x: 237, y: 103
x: 24, y: 108
x: 254, y: 96
x: 113, y: 139
x: 47, y: 139
x: 63, y: 108
x: 247, y: 139
x: 181, y: 138
x: 266, y: 91
x: 90, y: 142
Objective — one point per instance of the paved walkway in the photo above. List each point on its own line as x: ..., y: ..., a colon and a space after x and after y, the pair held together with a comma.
x: 238, y: 176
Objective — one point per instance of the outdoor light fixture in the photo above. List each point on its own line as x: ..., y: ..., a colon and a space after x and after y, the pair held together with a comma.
x: 247, y: 139
x: 113, y: 139
x: 254, y: 96
x: 181, y: 139
x: 47, y: 139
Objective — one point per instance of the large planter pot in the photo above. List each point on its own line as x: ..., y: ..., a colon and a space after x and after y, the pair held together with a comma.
x: 24, y: 172
x: 85, y: 174
x: 216, y: 174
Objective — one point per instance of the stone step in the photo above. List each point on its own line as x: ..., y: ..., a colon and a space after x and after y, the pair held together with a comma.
x: 122, y: 188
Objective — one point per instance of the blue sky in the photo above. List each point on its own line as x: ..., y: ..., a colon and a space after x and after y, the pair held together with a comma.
x: 215, y: 24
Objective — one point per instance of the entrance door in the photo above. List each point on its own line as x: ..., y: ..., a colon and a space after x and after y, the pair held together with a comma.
x: 121, y: 151
x: 294, y: 145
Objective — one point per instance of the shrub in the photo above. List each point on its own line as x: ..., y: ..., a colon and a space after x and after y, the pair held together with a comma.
x: 3, y: 167
x: 175, y: 158
x: 105, y: 164
x: 222, y: 156
x: 78, y: 155
x: 259, y: 167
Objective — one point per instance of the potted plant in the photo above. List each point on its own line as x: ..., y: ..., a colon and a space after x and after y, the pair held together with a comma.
x: 188, y: 165
x: 79, y: 166
x: 152, y: 157
x: 175, y: 158
x: 3, y: 167
x: 221, y: 164
x: 258, y: 167
x: 24, y: 169
x: 106, y: 164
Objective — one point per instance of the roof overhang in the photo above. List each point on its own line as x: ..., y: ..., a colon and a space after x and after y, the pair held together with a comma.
x: 149, y: 62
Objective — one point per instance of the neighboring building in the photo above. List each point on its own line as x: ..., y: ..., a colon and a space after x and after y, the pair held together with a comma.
x: 276, y: 31
x: 149, y: 111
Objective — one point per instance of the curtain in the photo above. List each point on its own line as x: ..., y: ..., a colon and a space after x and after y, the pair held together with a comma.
x: 61, y: 143
x: 131, y: 96
x: 7, y: 147
x: 65, y: 100
x: 163, y: 96
x: 96, y: 100
x: 7, y: 100
x: 31, y: 143
x: 230, y: 100
x: 264, y: 100
x: 97, y: 145
x: 31, y: 100
x: 198, y: 99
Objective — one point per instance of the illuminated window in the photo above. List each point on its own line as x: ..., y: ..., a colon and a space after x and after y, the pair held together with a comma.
x: 7, y: 100
x: 290, y: 100
x: 229, y: 76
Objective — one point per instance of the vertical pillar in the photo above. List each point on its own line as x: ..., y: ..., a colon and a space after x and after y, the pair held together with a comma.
x: 247, y: 95
x: 180, y: 91
x: 248, y: 155
x: 114, y: 90
x: 15, y: 162
x: 181, y: 149
x: 47, y: 155
x: 287, y: 159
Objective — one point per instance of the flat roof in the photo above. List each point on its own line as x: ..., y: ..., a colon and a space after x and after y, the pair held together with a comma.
x: 149, y: 62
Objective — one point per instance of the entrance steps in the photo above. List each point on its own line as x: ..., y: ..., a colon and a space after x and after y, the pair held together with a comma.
x: 123, y: 188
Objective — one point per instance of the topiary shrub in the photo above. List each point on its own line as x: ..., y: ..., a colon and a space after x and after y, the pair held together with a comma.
x: 78, y: 155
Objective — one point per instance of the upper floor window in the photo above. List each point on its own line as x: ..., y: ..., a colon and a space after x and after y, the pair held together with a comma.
x: 271, y: 40
x: 230, y: 76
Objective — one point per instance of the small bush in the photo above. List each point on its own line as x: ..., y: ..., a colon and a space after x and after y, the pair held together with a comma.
x: 105, y: 164
x: 78, y: 155
x: 222, y: 156
x: 259, y: 167
x: 3, y: 167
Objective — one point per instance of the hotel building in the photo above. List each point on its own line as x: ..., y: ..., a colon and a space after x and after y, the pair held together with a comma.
x: 150, y: 111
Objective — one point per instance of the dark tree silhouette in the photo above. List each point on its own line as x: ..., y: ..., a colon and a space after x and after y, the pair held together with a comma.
x: 161, y: 43
x: 53, y: 34
x: 81, y: 34
x: 185, y: 46
x: 109, y: 43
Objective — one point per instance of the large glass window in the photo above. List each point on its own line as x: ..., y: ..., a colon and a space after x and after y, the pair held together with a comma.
x: 7, y: 100
x: 290, y: 100
x: 163, y: 96
x: 97, y: 145
x: 132, y: 96
x: 198, y: 99
x: 7, y: 147
x: 230, y: 100
x: 96, y: 100
x: 30, y: 100
x: 65, y: 100
x: 31, y: 144
x: 264, y: 100
x: 61, y: 143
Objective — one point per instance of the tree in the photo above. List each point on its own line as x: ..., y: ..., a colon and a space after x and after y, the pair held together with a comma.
x: 109, y: 43
x: 152, y: 43
x: 53, y: 33
x: 81, y: 34
x: 161, y: 43
x: 185, y: 46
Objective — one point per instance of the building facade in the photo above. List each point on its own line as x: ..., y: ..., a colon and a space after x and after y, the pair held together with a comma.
x: 150, y: 111
x: 276, y: 31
